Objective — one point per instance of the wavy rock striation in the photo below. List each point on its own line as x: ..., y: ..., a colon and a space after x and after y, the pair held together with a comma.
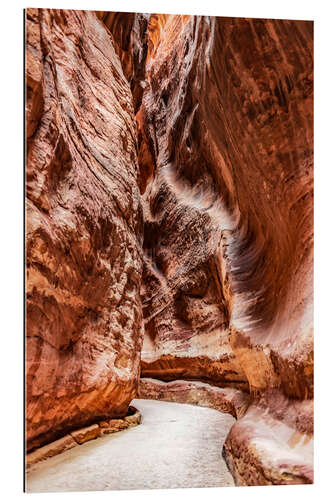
x: 228, y: 210
x: 170, y: 175
x: 227, y: 118
x: 84, y: 227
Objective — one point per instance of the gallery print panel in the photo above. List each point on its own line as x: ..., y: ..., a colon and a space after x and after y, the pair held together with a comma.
x: 169, y: 251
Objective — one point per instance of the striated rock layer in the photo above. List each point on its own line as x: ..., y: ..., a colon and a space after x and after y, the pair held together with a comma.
x: 227, y: 116
x: 84, y: 227
x: 170, y: 165
x: 226, y: 164
x: 130, y: 36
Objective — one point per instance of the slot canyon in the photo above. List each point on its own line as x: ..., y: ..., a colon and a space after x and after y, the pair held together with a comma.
x: 169, y: 229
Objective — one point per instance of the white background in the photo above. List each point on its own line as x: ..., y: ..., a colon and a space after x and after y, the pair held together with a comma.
x: 11, y: 178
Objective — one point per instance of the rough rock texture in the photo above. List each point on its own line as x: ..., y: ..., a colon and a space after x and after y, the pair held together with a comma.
x: 225, y: 400
x: 222, y: 156
x: 50, y: 450
x: 86, y: 434
x: 115, y: 425
x: 83, y: 435
x: 227, y: 188
x: 130, y: 35
x: 228, y: 208
x: 272, y: 443
x: 84, y: 227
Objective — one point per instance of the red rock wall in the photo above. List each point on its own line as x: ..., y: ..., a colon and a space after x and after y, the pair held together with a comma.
x: 130, y: 35
x: 84, y: 227
x: 227, y: 118
x: 226, y: 163
x: 272, y: 443
x: 210, y: 120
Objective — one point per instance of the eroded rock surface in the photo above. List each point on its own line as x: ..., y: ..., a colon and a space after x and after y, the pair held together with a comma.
x: 272, y: 443
x: 222, y: 156
x: 130, y: 35
x: 227, y: 118
x: 81, y: 436
x: 228, y: 208
x: 84, y: 227
x: 225, y: 400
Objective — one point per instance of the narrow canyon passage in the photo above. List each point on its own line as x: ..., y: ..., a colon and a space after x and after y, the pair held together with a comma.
x: 176, y: 445
x: 169, y: 248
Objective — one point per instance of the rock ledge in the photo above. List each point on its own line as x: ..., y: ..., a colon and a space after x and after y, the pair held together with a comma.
x: 83, y: 435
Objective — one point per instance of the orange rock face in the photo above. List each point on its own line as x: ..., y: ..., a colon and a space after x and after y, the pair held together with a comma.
x: 272, y: 443
x: 228, y: 209
x: 84, y: 227
x: 227, y: 117
x: 130, y: 35
x: 170, y: 169
x: 225, y: 400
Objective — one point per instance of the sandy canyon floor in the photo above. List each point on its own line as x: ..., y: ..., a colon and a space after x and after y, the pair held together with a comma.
x: 176, y: 446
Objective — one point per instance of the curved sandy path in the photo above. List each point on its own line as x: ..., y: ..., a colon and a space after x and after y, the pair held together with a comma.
x: 176, y: 446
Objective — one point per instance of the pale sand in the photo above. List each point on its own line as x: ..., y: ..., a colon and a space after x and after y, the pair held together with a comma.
x: 176, y: 446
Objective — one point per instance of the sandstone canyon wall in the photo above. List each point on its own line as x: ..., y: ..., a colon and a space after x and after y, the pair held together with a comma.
x: 84, y: 226
x: 170, y: 168
x: 228, y: 208
x: 227, y: 116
